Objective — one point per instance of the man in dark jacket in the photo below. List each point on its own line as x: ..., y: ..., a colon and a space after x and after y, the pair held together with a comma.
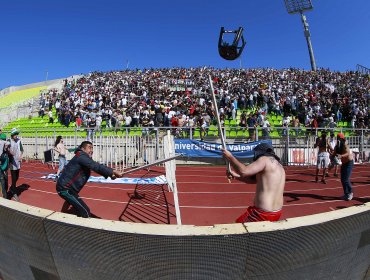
x: 75, y: 175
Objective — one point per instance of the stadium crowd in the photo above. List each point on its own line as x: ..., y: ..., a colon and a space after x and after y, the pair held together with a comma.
x: 179, y: 97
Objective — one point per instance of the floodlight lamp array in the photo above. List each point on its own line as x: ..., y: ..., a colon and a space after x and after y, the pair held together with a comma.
x: 298, y: 6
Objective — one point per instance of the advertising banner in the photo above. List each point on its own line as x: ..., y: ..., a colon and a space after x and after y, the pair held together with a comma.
x: 194, y: 148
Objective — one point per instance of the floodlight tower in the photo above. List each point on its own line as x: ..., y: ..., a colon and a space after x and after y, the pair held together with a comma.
x: 299, y: 6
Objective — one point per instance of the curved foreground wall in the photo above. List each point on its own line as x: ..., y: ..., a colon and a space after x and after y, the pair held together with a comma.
x: 41, y: 244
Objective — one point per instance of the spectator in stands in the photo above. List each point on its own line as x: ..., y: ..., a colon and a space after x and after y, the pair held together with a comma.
x: 314, y: 125
x: 75, y: 176
x: 15, y: 160
x: 99, y: 121
x: 266, y: 128
x: 78, y: 122
x: 42, y: 112
x: 296, y: 125
x: 343, y: 152
x: 332, y: 124
x: 298, y: 93
x: 285, y: 124
x: 91, y: 128
x: 252, y: 122
x: 243, y: 120
x: 267, y: 172
x: 51, y: 119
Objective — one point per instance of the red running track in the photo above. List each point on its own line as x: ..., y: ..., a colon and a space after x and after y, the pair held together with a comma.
x: 205, y: 196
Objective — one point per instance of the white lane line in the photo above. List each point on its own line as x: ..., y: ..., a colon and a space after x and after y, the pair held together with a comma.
x: 106, y: 200
x: 286, y: 191
x: 285, y: 205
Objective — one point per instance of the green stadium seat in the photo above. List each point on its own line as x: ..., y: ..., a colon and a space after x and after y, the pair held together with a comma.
x: 274, y: 133
x: 277, y: 123
x: 233, y: 122
x: 196, y: 134
x: 240, y: 133
x: 232, y: 134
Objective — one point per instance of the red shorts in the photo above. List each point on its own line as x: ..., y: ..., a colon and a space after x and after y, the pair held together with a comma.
x: 254, y: 214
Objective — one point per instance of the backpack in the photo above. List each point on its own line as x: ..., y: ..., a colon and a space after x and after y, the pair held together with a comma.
x: 4, y: 161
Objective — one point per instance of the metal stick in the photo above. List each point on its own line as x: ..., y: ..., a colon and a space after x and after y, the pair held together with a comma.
x: 150, y: 164
x: 214, y: 101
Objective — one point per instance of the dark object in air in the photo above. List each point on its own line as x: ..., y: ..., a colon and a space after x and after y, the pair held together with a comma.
x: 234, y: 50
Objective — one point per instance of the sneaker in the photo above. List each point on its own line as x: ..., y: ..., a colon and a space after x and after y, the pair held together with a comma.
x: 335, y: 175
x: 327, y: 174
x: 15, y: 197
x: 349, y: 196
x: 317, y: 179
x: 55, y: 178
x: 323, y: 181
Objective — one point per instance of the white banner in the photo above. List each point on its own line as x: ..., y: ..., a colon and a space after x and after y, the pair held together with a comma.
x: 159, y: 180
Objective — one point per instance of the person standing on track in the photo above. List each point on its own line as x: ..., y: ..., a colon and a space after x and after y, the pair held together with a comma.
x: 61, y: 150
x: 323, y: 159
x: 343, y: 152
x: 334, y: 161
x: 15, y: 160
x: 75, y: 175
x: 267, y: 172
x: 4, y: 165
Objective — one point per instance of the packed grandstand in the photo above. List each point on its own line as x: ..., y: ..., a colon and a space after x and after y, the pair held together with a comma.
x: 179, y: 98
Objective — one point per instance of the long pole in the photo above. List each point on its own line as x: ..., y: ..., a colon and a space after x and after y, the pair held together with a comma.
x: 308, y: 40
x: 214, y: 101
x: 150, y: 164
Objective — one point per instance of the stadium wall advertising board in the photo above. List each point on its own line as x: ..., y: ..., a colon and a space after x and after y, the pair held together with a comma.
x: 194, y: 148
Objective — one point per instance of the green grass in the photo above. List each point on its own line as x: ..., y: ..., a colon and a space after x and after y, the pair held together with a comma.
x: 19, y: 96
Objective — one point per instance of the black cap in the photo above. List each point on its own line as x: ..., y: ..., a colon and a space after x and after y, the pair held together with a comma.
x: 264, y: 149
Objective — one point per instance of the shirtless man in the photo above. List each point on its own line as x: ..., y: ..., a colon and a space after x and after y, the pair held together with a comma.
x: 334, y: 161
x: 343, y: 152
x: 267, y: 172
x: 323, y: 159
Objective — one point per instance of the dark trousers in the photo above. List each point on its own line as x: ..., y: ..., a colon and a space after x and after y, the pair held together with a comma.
x: 15, y: 177
x: 77, y: 203
x: 4, y: 183
x: 345, y: 174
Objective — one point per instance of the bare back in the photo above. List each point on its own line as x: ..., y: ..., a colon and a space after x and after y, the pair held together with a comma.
x: 323, y: 145
x: 270, y: 184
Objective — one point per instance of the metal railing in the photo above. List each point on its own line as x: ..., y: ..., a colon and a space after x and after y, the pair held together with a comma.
x: 133, y: 146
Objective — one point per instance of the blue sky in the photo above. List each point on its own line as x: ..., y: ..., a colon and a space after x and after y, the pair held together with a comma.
x: 59, y: 38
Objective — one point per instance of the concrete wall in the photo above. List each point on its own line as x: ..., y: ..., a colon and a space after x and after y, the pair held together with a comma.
x: 40, y: 244
x: 49, y: 83
x: 29, y: 86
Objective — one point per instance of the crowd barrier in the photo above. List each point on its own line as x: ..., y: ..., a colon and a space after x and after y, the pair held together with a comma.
x: 41, y: 244
x: 124, y: 149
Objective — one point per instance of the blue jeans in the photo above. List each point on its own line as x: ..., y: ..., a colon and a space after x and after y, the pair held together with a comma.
x: 62, y: 163
x: 345, y: 174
